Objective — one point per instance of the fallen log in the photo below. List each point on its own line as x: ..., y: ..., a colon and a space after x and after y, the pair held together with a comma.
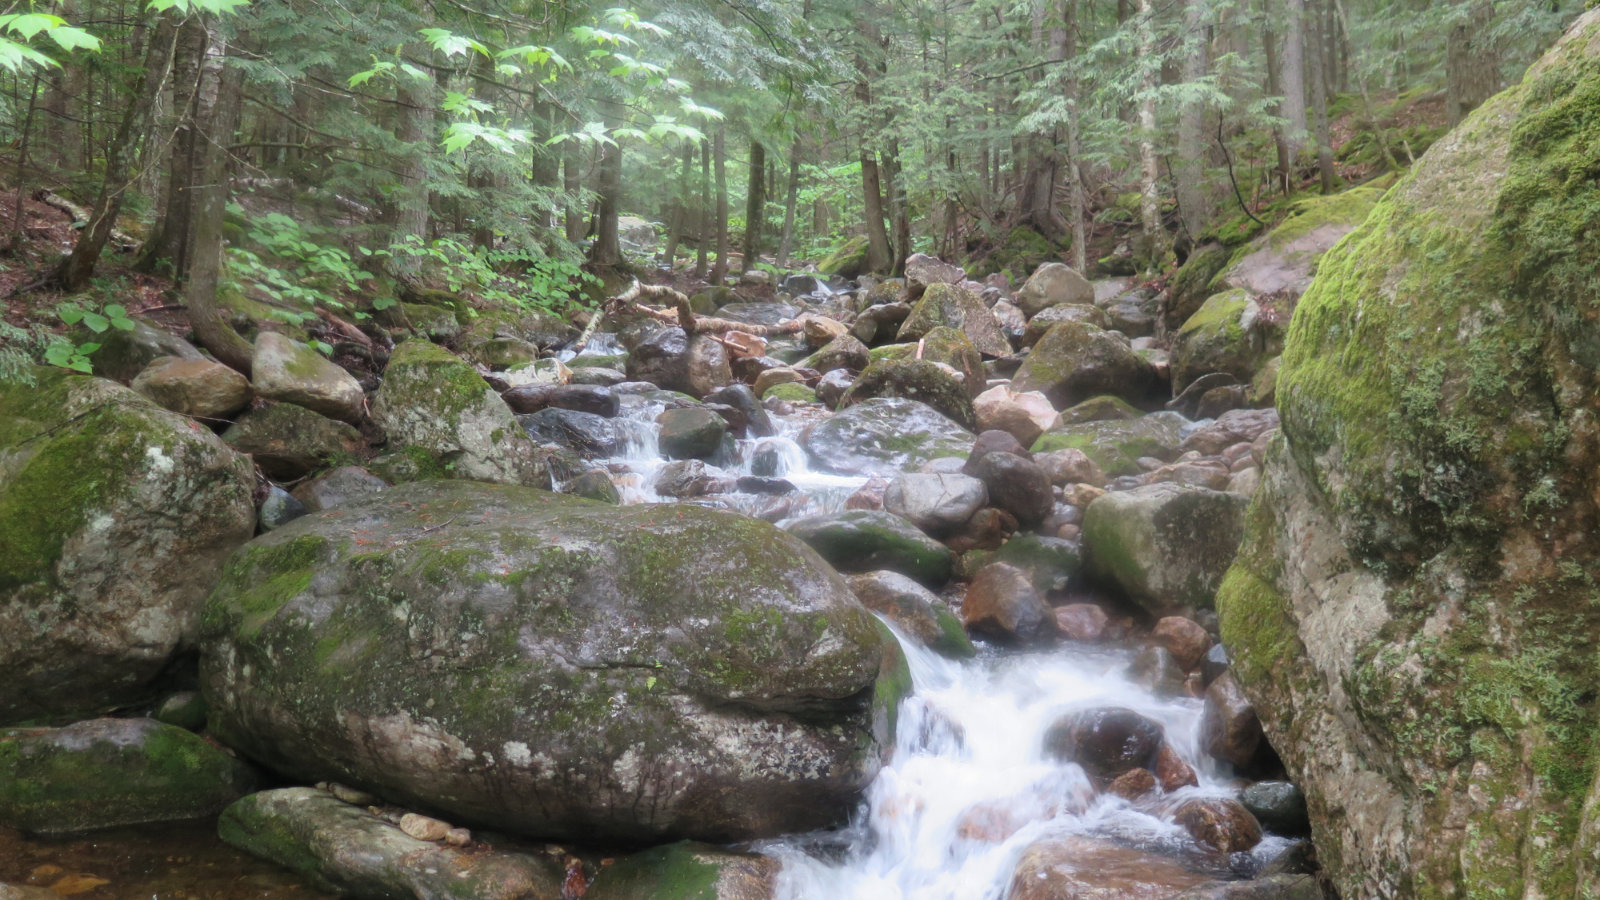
x: 685, y: 318
x: 121, y: 240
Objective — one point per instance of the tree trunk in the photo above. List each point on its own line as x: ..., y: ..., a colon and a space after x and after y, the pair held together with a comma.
x: 899, y: 210
x: 572, y: 186
x: 1293, y: 79
x: 755, y: 204
x: 790, y: 201
x: 719, y: 163
x: 682, y: 203
x: 1269, y: 41
x: 217, y: 118
x: 1195, y: 206
x: 65, y: 101
x: 74, y: 272
x: 1472, y: 61
x: 1319, y: 47
x: 413, y: 129
x: 1155, y: 243
x: 878, y: 252
x: 169, y: 237
x: 1080, y: 237
x: 702, y: 215
x: 606, y: 251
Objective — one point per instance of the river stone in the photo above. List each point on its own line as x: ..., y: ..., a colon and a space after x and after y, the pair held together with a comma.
x: 588, y: 398
x: 1267, y: 887
x: 1232, y: 427
x: 554, y: 666
x: 1184, y: 638
x: 1407, y: 611
x: 954, y: 349
x: 1023, y: 415
x: 914, y: 379
x: 687, y: 478
x: 769, y: 314
x: 1134, y: 313
x: 1085, y: 868
x: 287, y: 441
x: 690, y: 433
x: 1218, y: 824
x: 687, y: 871
x: 740, y: 397
x: 862, y: 540
x: 105, y: 772
x: 278, y: 508
x: 1017, y: 485
x: 1053, y: 284
x: 924, y: 271
x: 953, y: 306
x: 1229, y: 333
x: 1002, y: 603
x: 184, y: 709
x: 1115, y: 446
x: 673, y: 360
x: 285, y: 369
x: 434, y: 401
x: 843, y: 352
x: 595, y: 484
x: 884, y: 436
x: 124, y: 354
x: 1105, y: 741
x: 936, y: 504
x: 1156, y: 670
x: 1075, y: 361
x: 1050, y: 562
x: 1099, y: 409
x: 1279, y: 806
x: 1067, y: 312
x: 338, y: 486
x: 879, y: 323
x: 115, y: 515
x: 1165, y: 545
x: 1229, y: 728
x: 194, y: 387
x: 832, y: 387
x: 915, y: 610
x: 349, y: 851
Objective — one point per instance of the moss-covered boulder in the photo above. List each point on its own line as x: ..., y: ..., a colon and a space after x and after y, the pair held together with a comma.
x: 1232, y: 333
x: 915, y: 610
x: 921, y: 380
x: 1075, y: 361
x: 114, y: 516
x: 349, y: 851
x: 1164, y: 545
x: 848, y: 260
x: 1413, y: 610
x: 867, y: 540
x: 288, y: 441
x: 106, y: 772
x: 885, y: 436
x: 554, y: 666
x: 1283, y: 261
x: 436, y: 403
x: 285, y: 369
x: 1191, y: 284
x: 953, y: 348
x: 124, y: 354
x: 1115, y: 445
x: 953, y: 306
x: 687, y: 871
x: 1051, y: 316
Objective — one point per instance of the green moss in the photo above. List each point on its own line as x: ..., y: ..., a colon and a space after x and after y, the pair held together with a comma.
x: 671, y: 872
x: 1256, y: 628
x: 848, y: 260
x: 792, y: 392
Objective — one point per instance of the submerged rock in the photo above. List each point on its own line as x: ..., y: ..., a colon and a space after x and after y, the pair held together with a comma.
x: 913, y: 609
x: 553, y: 666
x: 1106, y: 741
x: 114, y: 517
x: 105, y: 772
x: 1085, y: 868
x: 885, y: 436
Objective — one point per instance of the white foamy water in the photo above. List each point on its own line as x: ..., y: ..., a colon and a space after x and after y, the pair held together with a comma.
x: 969, y: 752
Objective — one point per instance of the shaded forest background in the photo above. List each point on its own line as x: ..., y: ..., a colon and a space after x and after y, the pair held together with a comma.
x: 313, y: 161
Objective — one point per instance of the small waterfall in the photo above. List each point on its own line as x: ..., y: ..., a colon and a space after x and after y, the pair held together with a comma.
x: 969, y: 767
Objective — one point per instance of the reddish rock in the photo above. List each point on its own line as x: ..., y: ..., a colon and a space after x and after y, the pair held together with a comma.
x: 1082, y: 622
x: 1002, y: 603
x: 1229, y: 729
x: 1184, y: 639
x: 1219, y: 824
x: 1171, y: 771
x: 1133, y: 784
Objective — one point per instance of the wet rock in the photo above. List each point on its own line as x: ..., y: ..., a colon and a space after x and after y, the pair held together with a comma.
x: 1105, y: 741
x: 435, y: 402
x: 741, y: 398
x: 1187, y: 401
x: 1156, y: 671
x: 1103, y: 408
x: 1229, y: 728
x: 1053, y: 284
x: 114, y: 516
x: 1050, y: 562
x: 1002, y: 604
x: 1133, y: 784
x: 338, y: 486
x: 1218, y: 401
x: 860, y: 540
x: 1279, y: 806
x: 1134, y: 312
x: 952, y: 306
x: 105, y: 772
x: 423, y: 828
x: 530, y: 398
x: 1207, y: 473
x: 597, y: 376
x: 821, y: 330
x: 1085, y: 868
x: 194, y: 387
x: 914, y: 379
x: 1016, y: 485
x: 1013, y: 324
x: 690, y: 433
x: 950, y: 347
x: 279, y: 508
x: 1218, y: 824
x: 184, y: 709
x: 771, y: 378
x: 993, y: 441
x: 1228, y: 333
x: 1183, y: 638
x: 349, y: 851
x: 1082, y: 622
x: 885, y: 436
x: 755, y: 484
x: 586, y: 434
x: 937, y: 504
x: 673, y: 360
x: 687, y: 871
x: 1267, y: 887
x: 595, y: 484
x: 986, y: 530
x: 879, y: 323
x: 1066, y: 312
x: 923, y: 271
x: 1172, y: 772
x: 725, y: 609
x: 1024, y: 415
x: 1117, y: 445
x: 1214, y: 664
x: 832, y: 387
x: 688, y: 478
x: 843, y: 352
x: 1075, y: 361
x: 287, y: 370
x: 869, y: 495
x: 1165, y: 545
x: 913, y: 609
x: 287, y: 441
x: 1070, y: 466
x: 1240, y: 425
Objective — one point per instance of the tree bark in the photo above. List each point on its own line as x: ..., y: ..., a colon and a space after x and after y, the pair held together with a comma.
x: 899, y: 210
x: 606, y: 251
x: 703, y: 212
x: 1293, y: 79
x: 219, y: 96
x: 1472, y: 60
x: 1195, y: 205
x: 1269, y: 41
x: 1080, y: 237
x: 169, y: 237
x: 682, y: 202
x: 1154, y: 234
x: 719, y: 162
x: 572, y: 186
x: 1319, y: 48
x: 755, y: 204
x: 413, y: 129
x: 790, y: 201
x: 74, y: 272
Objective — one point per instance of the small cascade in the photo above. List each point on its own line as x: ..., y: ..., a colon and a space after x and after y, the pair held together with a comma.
x: 970, y: 786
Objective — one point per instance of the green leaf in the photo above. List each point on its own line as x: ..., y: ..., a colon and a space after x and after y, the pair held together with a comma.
x: 383, y: 303
x: 122, y: 324
x: 69, y: 39
x: 96, y: 322
x: 116, y: 310
x: 71, y: 315
x: 88, y: 348
x: 26, y: 25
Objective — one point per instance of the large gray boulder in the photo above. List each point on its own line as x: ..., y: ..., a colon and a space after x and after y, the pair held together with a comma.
x: 553, y: 666
x: 285, y: 369
x: 1053, y: 284
x: 953, y: 306
x: 884, y: 436
x: 114, y: 517
x: 436, y: 403
x: 1165, y: 545
x: 1075, y: 361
